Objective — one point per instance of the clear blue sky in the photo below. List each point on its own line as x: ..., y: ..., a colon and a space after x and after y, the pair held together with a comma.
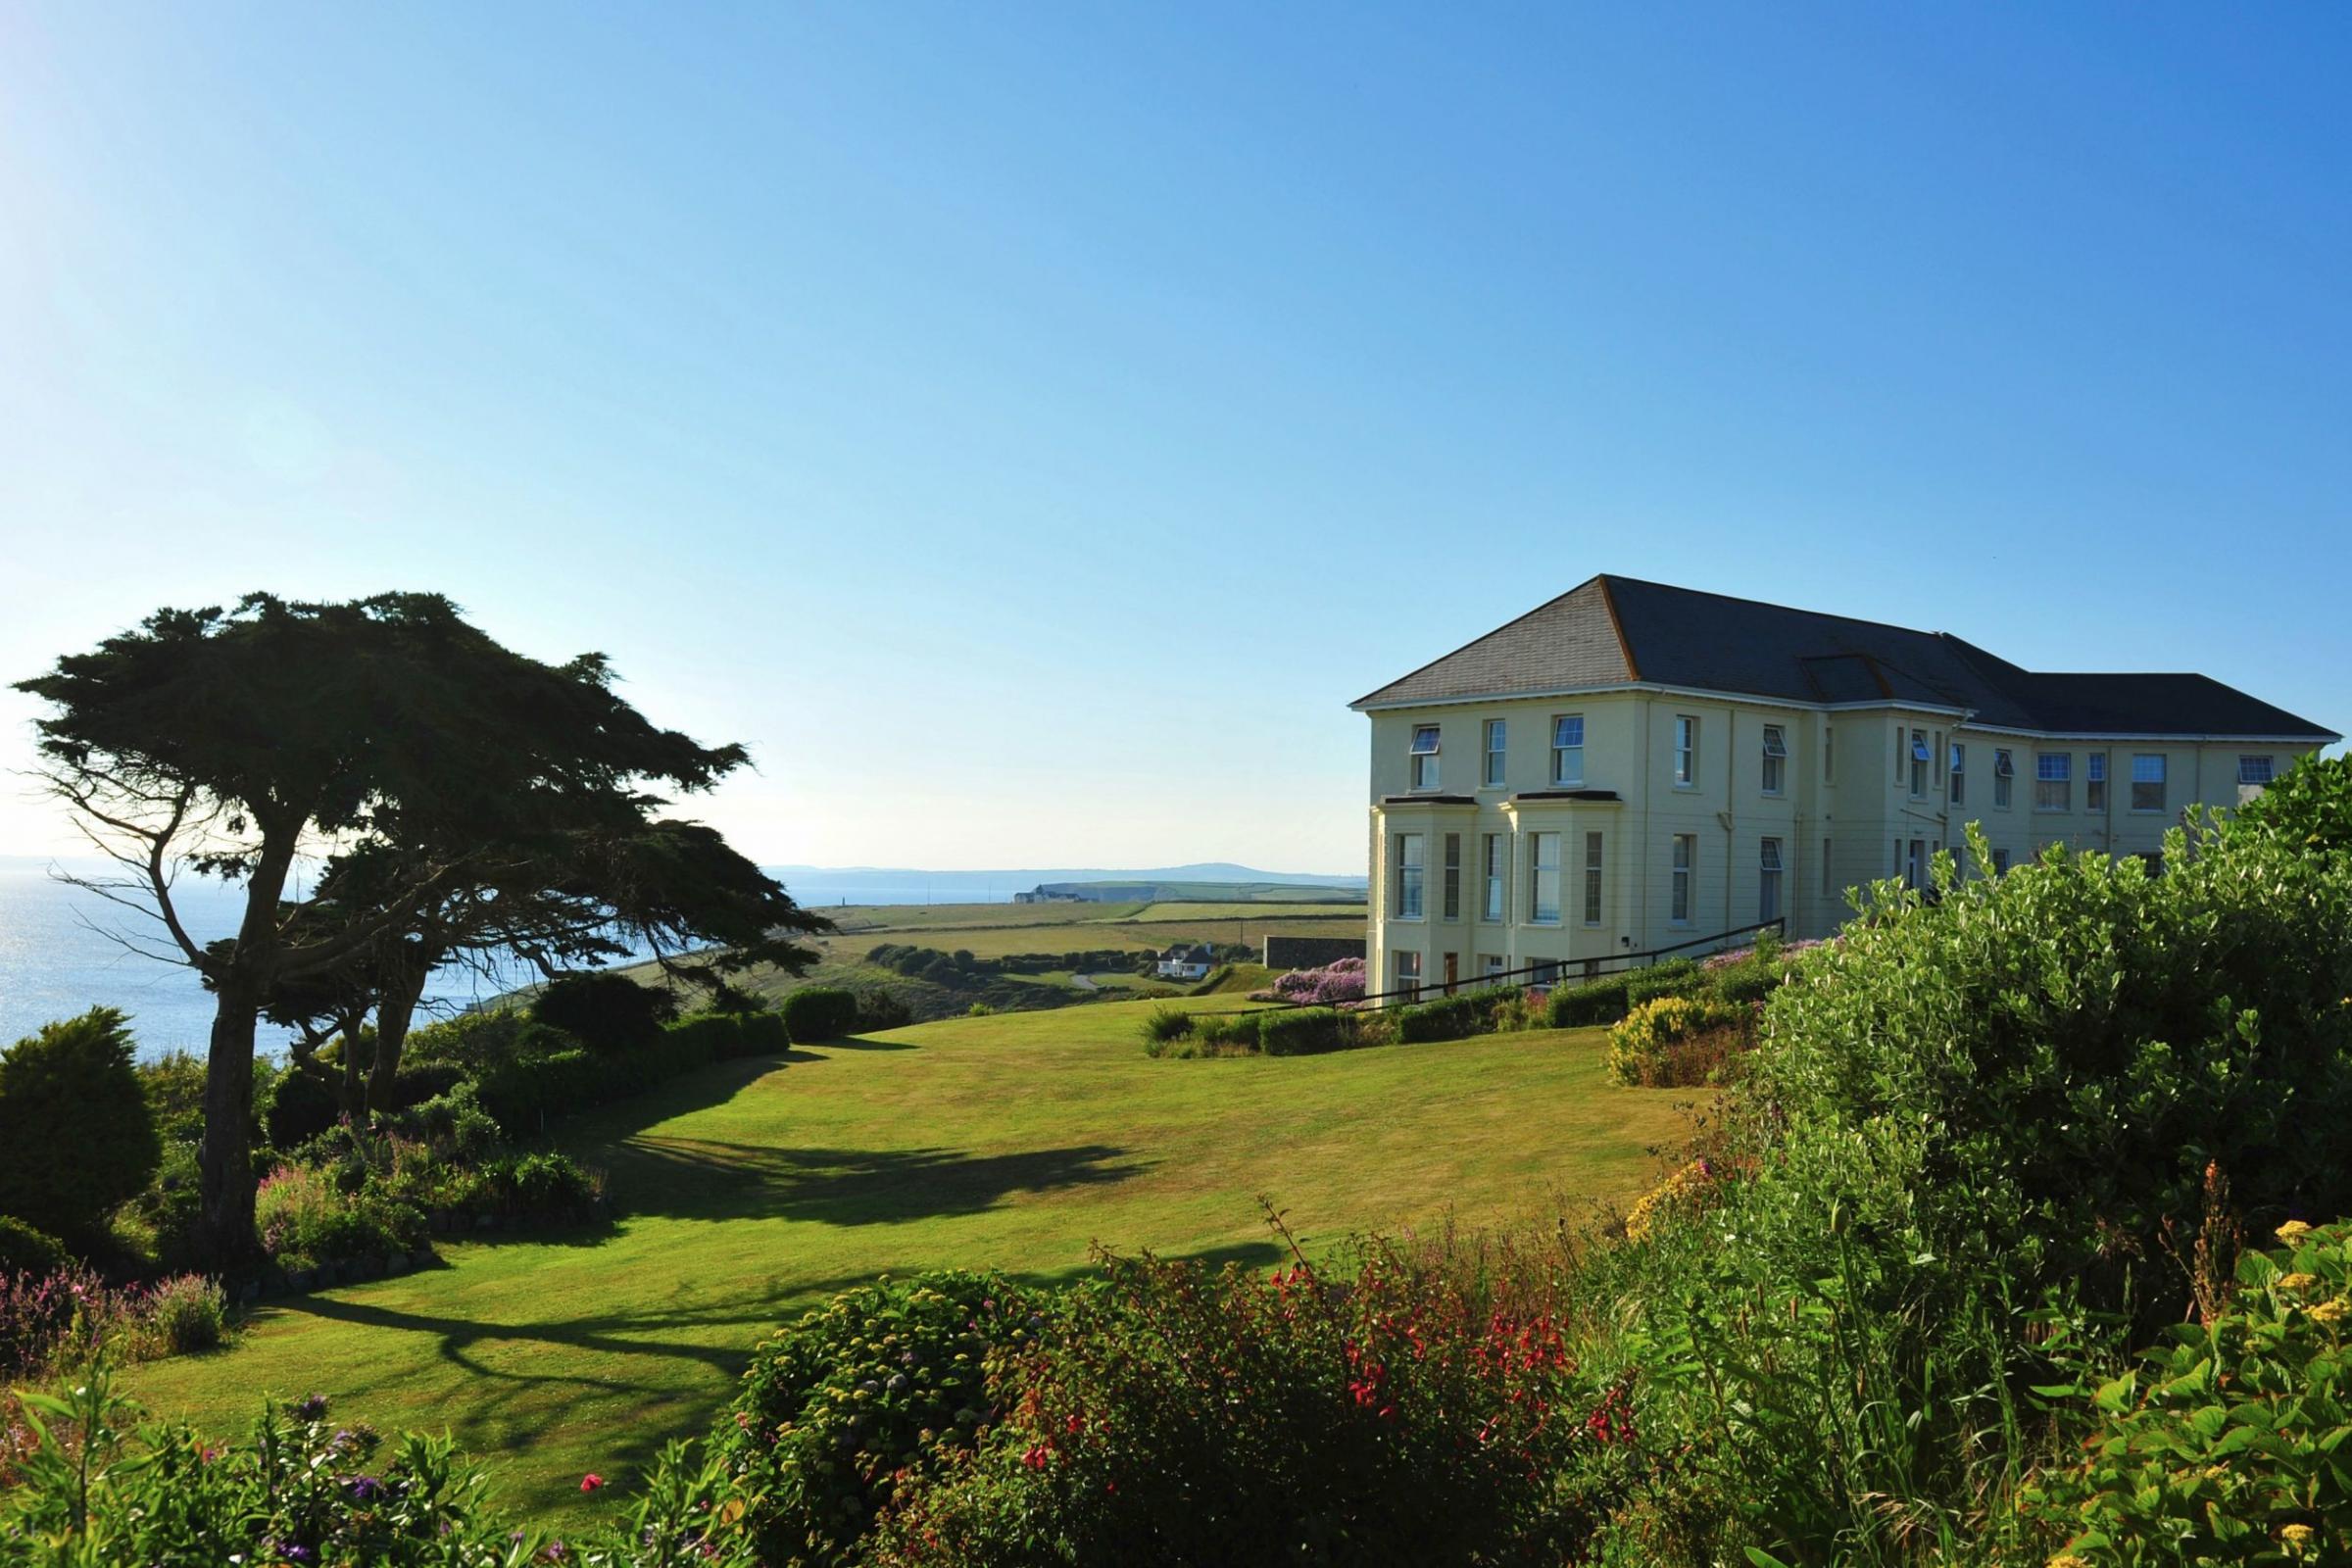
x: 1028, y: 426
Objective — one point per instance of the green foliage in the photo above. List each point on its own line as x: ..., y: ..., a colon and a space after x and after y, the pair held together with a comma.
x: 2067, y: 1048
x: 1596, y: 1001
x: 1677, y: 1041
x: 1454, y: 1017
x: 302, y: 1105
x: 304, y: 1219
x: 820, y: 1014
x: 2309, y: 808
x: 25, y: 1250
x: 1164, y: 1026
x: 76, y: 1135
x: 605, y: 1010
x: 1305, y: 1031
x: 2227, y: 1446
x: 1669, y: 977
x: 184, y: 1314
x: 1175, y: 1415
x: 538, y: 1186
x: 858, y: 1398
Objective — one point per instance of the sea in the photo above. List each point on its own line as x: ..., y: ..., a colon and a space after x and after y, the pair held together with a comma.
x: 64, y: 949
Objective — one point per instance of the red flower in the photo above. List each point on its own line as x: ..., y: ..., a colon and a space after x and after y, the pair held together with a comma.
x: 591, y: 1480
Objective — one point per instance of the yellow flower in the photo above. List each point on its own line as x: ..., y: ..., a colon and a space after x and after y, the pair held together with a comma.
x: 2067, y: 1560
x: 2297, y: 1284
x: 2297, y: 1537
x: 2331, y: 1311
x: 2293, y: 1231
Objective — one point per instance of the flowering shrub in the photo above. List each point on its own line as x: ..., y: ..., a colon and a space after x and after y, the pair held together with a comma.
x: 861, y: 1398
x: 1677, y: 1041
x: 95, y: 1487
x: 1684, y: 1192
x: 304, y: 1219
x: 2226, y: 1448
x: 62, y: 1321
x: 1334, y: 983
x: 1171, y: 1415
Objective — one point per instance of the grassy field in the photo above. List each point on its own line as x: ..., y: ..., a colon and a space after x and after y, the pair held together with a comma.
x: 753, y: 1190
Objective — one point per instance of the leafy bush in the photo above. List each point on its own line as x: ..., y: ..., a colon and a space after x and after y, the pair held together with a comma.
x: 820, y: 1014
x: 474, y: 1041
x: 605, y: 1010
x: 304, y: 1219
x: 1596, y: 1001
x: 539, y: 1186
x: 419, y: 1081
x: 98, y: 1485
x: 878, y: 1010
x: 1669, y: 977
x: 762, y: 1033
x: 1227, y: 1033
x: 77, y: 1136
x: 182, y: 1314
x: 2071, y: 1044
x: 525, y: 1093
x: 1305, y: 1031
x: 26, y: 1251
x: 1164, y: 1026
x: 1173, y: 1415
x: 302, y: 1104
x: 1454, y: 1017
x: 1677, y: 1041
x: 2225, y: 1448
x: 861, y: 1396
x: 2309, y: 808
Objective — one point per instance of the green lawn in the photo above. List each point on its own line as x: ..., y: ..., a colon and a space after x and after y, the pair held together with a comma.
x: 754, y: 1188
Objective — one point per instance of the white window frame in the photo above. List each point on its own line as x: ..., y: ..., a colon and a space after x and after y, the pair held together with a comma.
x: 1537, y: 870
x: 1958, y: 793
x: 2004, y: 777
x: 2094, y: 781
x: 1449, y: 895
x: 2160, y: 781
x: 1568, y: 751
x: 1921, y: 759
x: 2000, y: 863
x: 2263, y: 763
x: 1423, y: 762
x: 1406, y: 965
x: 1412, y: 872
x: 1775, y: 759
x: 1915, y: 865
x: 2053, y: 767
x: 1497, y: 872
x: 1490, y: 964
x: 1769, y: 867
x: 1681, y: 878
x: 1497, y: 752
x: 1686, y: 751
x: 1595, y: 873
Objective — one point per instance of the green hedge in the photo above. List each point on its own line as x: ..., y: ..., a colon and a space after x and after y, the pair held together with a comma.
x: 1468, y: 1013
x: 818, y: 1013
x: 1305, y: 1032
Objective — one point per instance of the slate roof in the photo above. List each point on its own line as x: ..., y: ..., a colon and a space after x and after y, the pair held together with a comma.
x: 1620, y: 631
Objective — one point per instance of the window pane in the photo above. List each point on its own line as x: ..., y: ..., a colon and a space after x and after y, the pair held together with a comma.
x: 1425, y: 738
x: 1544, y: 895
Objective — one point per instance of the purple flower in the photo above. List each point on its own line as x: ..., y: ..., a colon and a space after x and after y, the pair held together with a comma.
x: 364, y: 1488
x: 312, y: 1407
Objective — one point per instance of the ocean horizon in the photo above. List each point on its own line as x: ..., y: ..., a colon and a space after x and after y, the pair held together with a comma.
x: 63, y: 947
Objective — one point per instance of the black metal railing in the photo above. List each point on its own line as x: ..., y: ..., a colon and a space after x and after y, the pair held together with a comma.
x: 1549, y: 971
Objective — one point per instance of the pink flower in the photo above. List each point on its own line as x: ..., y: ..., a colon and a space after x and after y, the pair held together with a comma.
x: 591, y: 1480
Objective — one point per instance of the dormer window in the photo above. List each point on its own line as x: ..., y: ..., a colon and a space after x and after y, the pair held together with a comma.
x: 1775, y: 758
x: 1423, y: 757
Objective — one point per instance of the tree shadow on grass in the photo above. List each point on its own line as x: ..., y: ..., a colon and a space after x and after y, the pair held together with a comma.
x: 692, y: 1178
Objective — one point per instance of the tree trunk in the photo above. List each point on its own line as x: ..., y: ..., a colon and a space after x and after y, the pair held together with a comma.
x: 225, y: 1160
x: 355, y: 1106
x: 224, y: 1217
x: 395, y: 1006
